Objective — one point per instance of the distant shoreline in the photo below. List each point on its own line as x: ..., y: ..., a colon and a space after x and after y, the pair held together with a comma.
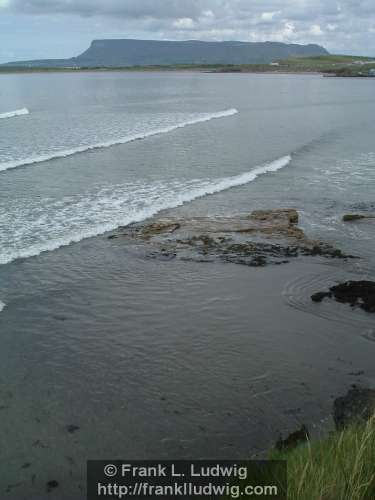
x: 140, y: 69
x: 330, y: 66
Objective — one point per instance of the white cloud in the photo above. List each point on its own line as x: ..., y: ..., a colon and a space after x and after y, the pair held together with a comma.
x: 183, y: 23
x: 316, y: 30
x: 268, y: 16
x: 208, y: 13
x: 289, y: 29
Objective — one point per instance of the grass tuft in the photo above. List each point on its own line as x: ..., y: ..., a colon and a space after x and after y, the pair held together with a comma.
x: 340, y: 467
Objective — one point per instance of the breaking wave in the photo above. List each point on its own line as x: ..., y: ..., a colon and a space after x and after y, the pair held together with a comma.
x: 2, y: 305
x: 122, y: 140
x: 73, y: 219
x: 17, y: 112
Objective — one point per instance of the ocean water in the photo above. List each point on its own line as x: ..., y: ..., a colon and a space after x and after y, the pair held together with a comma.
x: 160, y: 359
x: 78, y: 172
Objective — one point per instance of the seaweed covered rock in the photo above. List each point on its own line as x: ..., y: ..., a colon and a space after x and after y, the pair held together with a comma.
x: 256, y: 239
x: 356, y: 293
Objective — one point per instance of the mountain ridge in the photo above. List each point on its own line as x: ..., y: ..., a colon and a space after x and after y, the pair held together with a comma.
x: 133, y: 52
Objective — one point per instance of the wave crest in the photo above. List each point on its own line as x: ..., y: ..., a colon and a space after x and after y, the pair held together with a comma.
x: 11, y: 114
x: 102, y: 212
x: 122, y: 140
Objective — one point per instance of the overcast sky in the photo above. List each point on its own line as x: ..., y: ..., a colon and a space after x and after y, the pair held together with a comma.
x: 33, y: 29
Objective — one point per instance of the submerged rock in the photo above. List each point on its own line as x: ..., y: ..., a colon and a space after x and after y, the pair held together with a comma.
x: 355, y: 293
x: 72, y: 428
x: 319, y: 296
x: 256, y: 239
x: 51, y: 485
x: 354, y: 217
x: 358, y: 405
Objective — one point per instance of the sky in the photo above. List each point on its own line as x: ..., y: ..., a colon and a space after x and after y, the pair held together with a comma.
x: 39, y: 29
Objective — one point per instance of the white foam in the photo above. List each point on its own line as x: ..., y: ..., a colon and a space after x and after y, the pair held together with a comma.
x: 122, y: 140
x: 17, y: 112
x: 73, y: 221
x: 2, y: 305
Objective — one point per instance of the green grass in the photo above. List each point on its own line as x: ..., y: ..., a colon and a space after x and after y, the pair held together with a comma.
x: 329, y: 64
x: 247, y: 68
x: 336, y: 58
x: 340, y: 467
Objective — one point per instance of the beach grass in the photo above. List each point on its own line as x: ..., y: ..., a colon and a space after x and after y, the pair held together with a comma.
x: 339, y: 467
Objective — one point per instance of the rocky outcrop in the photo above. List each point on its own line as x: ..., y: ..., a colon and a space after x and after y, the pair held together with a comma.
x: 357, y: 406
x: 294, y: 439
x: 356, y: 293
x: 256, y: 239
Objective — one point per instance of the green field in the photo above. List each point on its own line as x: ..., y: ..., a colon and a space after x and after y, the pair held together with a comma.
x: 340, y: 65
x: 332, y: 65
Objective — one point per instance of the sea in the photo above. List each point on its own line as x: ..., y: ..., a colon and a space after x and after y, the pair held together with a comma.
x: 159, y: 360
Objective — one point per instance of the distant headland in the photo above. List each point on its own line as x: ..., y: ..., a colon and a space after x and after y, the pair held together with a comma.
x: 128, y: 52
x: 209, y: 57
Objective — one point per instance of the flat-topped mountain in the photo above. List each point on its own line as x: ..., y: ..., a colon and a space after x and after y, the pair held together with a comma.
x: 127, y: 52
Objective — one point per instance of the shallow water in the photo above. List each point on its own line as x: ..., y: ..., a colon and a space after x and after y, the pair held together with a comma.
x: 170, y: 359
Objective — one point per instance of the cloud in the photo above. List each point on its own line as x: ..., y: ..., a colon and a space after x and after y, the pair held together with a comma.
x: 269, y: 16
x: 133, y: 9
x: 184, y: 23
x: 340, y: 25
x: 316, y: 30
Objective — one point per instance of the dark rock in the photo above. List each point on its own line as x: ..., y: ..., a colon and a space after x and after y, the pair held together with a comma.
x: 356, y: 293
x: 161, y: 255
x: 357, y: 374
x: 258, y: 261
x: 59, y: 317
x: 38, y: 443
x: 72, y: 428
x: 326, y: 251
x: 319, y: 296
x: 358, y: 405
x: 354, y: 217
x: 293, y: 440
x: 51, y: 485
